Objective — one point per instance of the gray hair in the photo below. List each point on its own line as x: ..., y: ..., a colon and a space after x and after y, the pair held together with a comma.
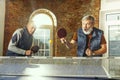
x: 88, y: 17
x: 30, y: 22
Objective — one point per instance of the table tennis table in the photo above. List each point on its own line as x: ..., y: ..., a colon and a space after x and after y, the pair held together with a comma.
x: 59, y: 68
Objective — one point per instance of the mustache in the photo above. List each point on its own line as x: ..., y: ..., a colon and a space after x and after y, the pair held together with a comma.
x: 87, y: 31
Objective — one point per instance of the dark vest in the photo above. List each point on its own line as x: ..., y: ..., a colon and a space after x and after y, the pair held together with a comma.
x: 94, y: 42
x: 24, y: 42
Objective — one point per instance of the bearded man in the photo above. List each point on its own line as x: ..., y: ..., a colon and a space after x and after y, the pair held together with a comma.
x: 90, y: 40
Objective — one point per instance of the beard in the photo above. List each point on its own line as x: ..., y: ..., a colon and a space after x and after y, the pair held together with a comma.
x: 88, y: 31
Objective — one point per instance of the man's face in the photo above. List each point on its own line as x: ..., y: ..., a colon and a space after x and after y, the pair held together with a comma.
x: 31, y: 29
x: 87, y: 26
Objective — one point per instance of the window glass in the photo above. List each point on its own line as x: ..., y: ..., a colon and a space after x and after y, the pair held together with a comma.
x: 43, y: 34
x: 113, y: 34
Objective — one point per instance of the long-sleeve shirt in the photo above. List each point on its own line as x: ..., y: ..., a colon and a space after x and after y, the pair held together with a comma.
x: 20, y: 42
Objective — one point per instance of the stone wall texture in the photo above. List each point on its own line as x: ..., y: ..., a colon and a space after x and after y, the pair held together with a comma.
x: 67, y: 12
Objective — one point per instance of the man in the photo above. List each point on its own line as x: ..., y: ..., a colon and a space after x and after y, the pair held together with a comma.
x: 21, y: 41
x: 90, y: 40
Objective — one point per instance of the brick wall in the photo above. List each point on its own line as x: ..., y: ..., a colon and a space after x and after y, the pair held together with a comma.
x: 67, y: 12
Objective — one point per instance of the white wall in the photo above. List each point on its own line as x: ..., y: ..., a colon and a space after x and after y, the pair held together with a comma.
x: 110, y: 4
x: 2, y: 18
x: 107, y: 7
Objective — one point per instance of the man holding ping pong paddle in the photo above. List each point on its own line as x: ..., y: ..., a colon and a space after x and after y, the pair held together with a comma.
x: 21, y: 41
x: 90, y: 40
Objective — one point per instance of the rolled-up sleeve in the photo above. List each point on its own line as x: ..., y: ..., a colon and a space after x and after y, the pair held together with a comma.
x: 75, y: 36
x: 103, y: 41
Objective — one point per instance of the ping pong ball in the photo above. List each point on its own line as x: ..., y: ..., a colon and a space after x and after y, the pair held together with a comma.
x: 50, y: 41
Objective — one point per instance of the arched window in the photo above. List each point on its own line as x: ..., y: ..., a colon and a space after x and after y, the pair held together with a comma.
x: 45, y: 22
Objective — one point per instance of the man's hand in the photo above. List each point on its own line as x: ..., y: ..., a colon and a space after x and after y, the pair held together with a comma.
x: 63, y: 40
x: 35, y: 49
x: 88, y: 52
x: 28, y: 52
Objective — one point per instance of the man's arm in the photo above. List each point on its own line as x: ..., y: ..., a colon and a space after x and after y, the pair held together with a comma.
x: 14, y: 41
x: 72, y: 43
x: 102, y: 50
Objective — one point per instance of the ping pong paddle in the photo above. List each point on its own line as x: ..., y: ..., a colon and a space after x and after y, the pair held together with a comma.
x: 35, y: 49
x: 61, y: 34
